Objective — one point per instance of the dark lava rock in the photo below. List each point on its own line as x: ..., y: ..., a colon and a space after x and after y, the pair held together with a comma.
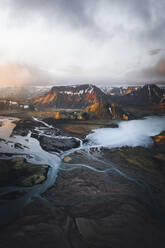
x: 42, y: 225
x: 17, y: 171
x: 5, y: 197
x: 13, y: 195
x: 120, y: 205
x: 50, y: 121
x: 23, y: 127
x: 112, y: 209
x: 18, y: 146
x: 58, y: 144
x: 113, y: 125
x: 92, y: 209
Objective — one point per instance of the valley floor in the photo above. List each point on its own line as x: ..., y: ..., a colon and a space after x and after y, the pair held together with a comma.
x: 112, y: 198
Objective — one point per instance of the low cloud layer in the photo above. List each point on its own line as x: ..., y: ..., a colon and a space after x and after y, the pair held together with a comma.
x: 18, y: 75
x: 156, y: 51
x: 155, y: 72
x: 89, y: 40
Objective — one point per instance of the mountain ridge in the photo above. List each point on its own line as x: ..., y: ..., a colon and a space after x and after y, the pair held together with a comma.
x: 76, y: 96
x: 148, y: 95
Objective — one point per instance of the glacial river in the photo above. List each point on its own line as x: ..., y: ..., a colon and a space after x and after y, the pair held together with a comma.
x: 130, y: 133
x: 34, y: 154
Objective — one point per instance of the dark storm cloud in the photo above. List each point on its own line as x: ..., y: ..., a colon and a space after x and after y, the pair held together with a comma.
x: 109, y: 31
x: 137, y: 8
x: 83, y: 11
x: 81, y: 14
x: 74, y: 12
x: 150, y: 13
x: 155, y: 51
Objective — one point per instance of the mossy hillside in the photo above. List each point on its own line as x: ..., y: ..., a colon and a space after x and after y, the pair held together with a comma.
x: 142, y: 157
x: 17, y: 171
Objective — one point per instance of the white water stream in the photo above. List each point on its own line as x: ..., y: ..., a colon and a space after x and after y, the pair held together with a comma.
x: 130, y: 133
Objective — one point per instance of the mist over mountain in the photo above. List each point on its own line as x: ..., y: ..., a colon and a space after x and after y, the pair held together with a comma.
x: 23, y: 91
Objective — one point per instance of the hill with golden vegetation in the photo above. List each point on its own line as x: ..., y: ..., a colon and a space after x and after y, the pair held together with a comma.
x: 105, y: 111
x: 98, y: 110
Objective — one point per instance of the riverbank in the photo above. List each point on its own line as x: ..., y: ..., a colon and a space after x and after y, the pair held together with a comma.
x: 86, y: 208
x: 101, y: 198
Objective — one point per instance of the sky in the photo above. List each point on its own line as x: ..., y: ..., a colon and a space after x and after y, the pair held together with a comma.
x: 81, y: 41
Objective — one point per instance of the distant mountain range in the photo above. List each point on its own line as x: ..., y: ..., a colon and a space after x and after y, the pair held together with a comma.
x: 84, y: 95
x: 120, y: 91
x: 79, y: 96
x: 146, y: 96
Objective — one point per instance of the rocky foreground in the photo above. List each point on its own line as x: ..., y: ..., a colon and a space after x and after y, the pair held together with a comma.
x: 101, y: 198
x: 17, y: 172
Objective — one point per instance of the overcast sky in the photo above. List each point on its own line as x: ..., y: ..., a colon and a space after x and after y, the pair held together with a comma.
x: 81, y: 41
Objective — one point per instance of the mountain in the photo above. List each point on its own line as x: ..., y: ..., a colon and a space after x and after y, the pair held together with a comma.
x: 147, y: 96
x: 79, y: 96
x: 119, y: 91
x: 76, y: 96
